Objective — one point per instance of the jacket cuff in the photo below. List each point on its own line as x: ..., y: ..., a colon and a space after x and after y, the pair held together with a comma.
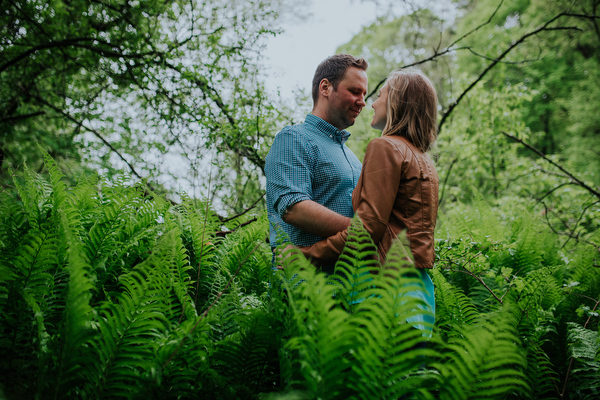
x: 326, y: 252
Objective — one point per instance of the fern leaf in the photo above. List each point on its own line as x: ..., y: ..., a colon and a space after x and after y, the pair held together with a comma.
x: 76, y: 330
x: 485, y: 361
x: 584, y: 350
x: 128, y: 329
x: 453, y: 308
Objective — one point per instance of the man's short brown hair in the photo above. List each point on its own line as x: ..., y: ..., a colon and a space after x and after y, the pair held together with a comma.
x: 333, y: 69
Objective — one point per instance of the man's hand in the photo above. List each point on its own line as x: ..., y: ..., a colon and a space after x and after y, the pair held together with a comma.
x: 314, y: 218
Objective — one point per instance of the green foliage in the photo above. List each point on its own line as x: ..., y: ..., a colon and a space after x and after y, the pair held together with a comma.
x: 114, y: 323
x: 156, y: 87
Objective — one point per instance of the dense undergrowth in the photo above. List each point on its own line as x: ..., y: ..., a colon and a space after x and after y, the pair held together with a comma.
x: 109, y: 292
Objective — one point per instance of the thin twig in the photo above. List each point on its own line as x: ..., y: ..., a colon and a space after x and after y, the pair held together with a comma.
x: 499, y: 59
x: 225, y: 233
x: 571, y: 235
x: 446, y: 180
x: 448, y: 49
x: 224, y: 220
x: 569, y: 174
x: 553, y: 190
x: 91, y: 130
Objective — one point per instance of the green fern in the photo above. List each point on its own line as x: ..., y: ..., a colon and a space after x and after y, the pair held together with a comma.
x: 453, y: 308
x: 584, y: 349
x: 484, y: 362
x: 76, y: 325
x: 128, y: 326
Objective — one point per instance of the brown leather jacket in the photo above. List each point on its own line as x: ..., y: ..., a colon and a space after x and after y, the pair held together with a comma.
x: 397, y: 190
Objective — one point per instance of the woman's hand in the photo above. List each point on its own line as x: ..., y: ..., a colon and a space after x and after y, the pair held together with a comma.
x: 282, y: 255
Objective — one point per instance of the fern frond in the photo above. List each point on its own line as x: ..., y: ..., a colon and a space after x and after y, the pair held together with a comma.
x: 584, y: 348
x: 485, y: 361
x: 355, y: 265
x: 239, y: 246
x: 35, y: 261
x: 60, y: 194
x: 103, y: 234
x: 246, y: 361
x: 453, y: 308
x: 392, y: 348
x: 76, y: 328
x: 177, y: 269
x: 35, y: 193
x: 128, y: 329
x: 541, y: 377
x: 185, y: 371
x: 320, y: 334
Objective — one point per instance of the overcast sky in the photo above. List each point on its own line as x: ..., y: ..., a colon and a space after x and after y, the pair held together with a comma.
x: 294, y: 55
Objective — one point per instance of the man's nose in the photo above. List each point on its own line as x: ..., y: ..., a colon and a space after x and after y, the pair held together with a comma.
x: 361, y: 101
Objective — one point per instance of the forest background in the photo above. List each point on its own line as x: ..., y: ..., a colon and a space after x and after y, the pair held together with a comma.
x: 109, y: 108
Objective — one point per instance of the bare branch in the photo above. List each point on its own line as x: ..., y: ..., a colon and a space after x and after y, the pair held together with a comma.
x: 553, y: 190
x: 448, y: 49
x: 446, y: 180
x: 224, y: 220
x: 15, y: 118
x: 91, y: 130
x: 499, y: 59
x: 478, y: 27
x: 572, y: 234
x: 576, y: 238
x: 569, y: 174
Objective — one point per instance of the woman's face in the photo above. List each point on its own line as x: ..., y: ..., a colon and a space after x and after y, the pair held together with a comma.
x: 380, y: 107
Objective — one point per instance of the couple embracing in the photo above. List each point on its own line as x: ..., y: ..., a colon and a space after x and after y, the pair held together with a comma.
x: 315, y: 184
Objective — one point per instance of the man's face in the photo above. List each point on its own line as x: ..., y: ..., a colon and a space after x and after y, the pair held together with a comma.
x: 347, y: 101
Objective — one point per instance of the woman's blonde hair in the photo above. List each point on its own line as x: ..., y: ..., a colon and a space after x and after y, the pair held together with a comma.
x: 412, y: 108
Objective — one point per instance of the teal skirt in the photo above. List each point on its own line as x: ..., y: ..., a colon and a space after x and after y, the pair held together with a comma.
x: 423, y: 321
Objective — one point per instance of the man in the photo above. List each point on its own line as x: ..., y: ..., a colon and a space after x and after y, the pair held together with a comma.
x: 310, y: 171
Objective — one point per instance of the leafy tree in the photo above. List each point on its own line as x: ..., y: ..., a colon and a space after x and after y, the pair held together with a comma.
x: 157, y: 88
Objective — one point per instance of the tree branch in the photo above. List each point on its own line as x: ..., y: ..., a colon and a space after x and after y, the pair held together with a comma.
x: 446, y: 180
x: 91, y: 130
x: 569, y: 174
x: 15, y: 118
x: 497, y: 60
x: 437, y: 54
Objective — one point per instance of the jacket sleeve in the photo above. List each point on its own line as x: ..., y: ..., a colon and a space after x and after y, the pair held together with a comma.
x: 380, y: 182
x: 376, y: 194
x: 326, y: 252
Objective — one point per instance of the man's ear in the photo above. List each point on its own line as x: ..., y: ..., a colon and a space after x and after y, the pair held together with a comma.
x: 325, y: 87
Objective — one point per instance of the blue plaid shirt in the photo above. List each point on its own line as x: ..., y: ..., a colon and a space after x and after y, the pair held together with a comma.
x: 309, y: 161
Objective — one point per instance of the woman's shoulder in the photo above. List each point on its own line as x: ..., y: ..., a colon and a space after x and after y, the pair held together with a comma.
x: 392, y: 142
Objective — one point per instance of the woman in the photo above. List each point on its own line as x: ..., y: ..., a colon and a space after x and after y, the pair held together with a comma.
x: 398, y: 186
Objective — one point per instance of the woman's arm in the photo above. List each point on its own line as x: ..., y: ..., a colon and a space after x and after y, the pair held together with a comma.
x: 375, y: 194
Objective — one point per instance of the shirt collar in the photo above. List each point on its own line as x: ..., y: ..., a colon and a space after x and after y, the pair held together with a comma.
x: 327, y: 129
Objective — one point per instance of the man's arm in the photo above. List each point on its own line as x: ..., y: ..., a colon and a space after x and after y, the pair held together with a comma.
x: 314, y: 218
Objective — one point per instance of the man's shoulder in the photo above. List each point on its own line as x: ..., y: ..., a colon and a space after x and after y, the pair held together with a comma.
x: 298, y: 133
